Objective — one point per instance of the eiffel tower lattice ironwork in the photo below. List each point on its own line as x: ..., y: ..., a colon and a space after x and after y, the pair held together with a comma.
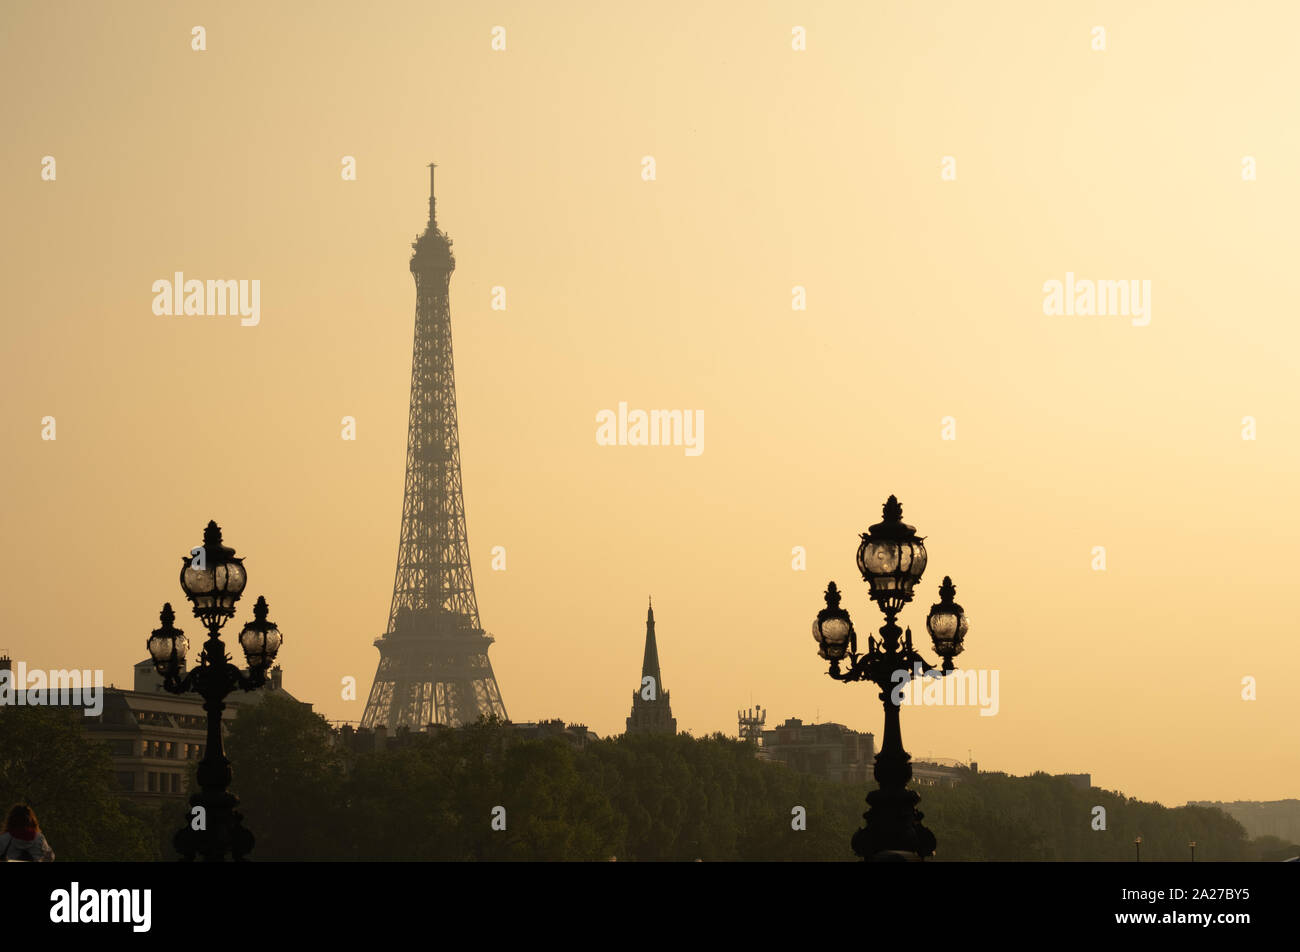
x: 433, y: 660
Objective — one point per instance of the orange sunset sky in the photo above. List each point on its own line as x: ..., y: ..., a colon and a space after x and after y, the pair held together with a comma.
x: 775, y: 168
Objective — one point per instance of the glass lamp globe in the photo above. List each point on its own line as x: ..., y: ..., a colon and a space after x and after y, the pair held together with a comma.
x: 947, y: 622
x: 891, y: 559
x: 832, y: 628
x: 168, y: 645
x: 214, y: 580
x: 260, y: 639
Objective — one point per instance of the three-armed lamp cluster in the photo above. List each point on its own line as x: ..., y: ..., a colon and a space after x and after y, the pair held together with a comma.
x: 213, y: 580
x: 891, y: 559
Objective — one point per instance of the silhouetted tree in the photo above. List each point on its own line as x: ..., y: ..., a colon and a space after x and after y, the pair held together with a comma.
x: 288, y: 773
x: 49, y: 762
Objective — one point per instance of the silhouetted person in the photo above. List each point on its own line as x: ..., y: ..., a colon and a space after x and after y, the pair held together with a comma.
x: 22, y: 838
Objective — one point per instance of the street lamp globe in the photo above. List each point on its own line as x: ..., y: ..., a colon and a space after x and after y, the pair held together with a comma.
x: 215, y: 581
x: 891, y: 559
x: 260, y: 638
x: 168, y: 644
x: 947, y: 623
x: 832, y: 629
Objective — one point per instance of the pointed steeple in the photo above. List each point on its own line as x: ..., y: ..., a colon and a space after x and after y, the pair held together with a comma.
x: 651, y: 711
x: 650, y: 664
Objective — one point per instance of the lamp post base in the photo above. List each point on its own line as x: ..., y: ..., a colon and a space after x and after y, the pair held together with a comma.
x: 215, y: 829
x: 894, y: 830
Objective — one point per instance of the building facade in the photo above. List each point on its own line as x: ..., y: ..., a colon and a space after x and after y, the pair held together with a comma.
x: 832, y: 751
x: 154, y: 736
x: 577, y: 735
x: 941, y: 772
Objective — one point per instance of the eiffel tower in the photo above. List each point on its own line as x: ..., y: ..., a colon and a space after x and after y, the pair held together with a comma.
x: 433, y: 660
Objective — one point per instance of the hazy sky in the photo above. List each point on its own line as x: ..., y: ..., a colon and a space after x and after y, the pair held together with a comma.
x: 775, y: 167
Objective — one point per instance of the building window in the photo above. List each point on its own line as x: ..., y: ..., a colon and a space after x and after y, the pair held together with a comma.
x: 176, y: 783
x: 153, y: 782
x: 126, y: 781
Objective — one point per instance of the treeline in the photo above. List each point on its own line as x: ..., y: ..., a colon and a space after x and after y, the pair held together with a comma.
x: 1045, y: 818
x: 650, y: 798
x: 434, y: 797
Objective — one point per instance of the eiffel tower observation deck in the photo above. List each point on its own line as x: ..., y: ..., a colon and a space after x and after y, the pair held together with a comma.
x: 433, y: 659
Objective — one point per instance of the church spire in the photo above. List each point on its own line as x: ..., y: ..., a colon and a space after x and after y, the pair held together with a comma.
x: 650, y: 664
x: 651, y: 712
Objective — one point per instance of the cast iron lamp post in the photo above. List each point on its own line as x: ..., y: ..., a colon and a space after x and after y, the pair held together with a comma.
x: 213, y: 579
x: 892, y: 559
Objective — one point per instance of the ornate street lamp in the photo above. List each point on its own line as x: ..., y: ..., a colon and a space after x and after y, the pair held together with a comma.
x: 260, y: 638
x: 947, y: 624
x: 892, y: 559
x: 168, y: 644
x: 213, y: 580
x: 832, y: 629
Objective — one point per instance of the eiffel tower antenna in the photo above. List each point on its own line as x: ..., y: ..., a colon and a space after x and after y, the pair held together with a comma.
x: 432, y: 200
x: 433, y: 659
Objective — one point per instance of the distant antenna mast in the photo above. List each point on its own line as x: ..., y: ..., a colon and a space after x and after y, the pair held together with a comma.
x: 751, y: 725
